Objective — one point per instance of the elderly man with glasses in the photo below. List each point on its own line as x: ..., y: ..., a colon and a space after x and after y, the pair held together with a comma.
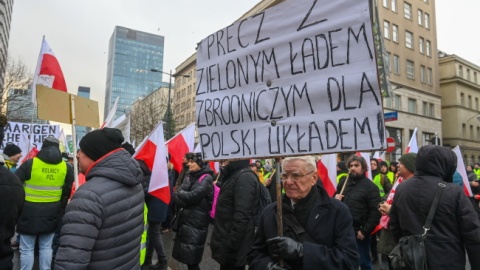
x: 317, y: 229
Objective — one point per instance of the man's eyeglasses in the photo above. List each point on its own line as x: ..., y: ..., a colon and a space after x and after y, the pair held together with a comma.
x: 293, y: 176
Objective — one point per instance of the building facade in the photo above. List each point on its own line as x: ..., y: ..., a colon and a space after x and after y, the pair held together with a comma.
x: 459, y: 83
x: 146, y: 112
x: 409, y: 33
x: 79, y: 130
x: 131, y: 56
x: 20, y: 108
x: 6, y: 7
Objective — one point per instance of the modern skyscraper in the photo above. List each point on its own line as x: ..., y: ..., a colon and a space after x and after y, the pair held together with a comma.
x: 131, y: 55
x: 80, y: 131
x: 5, y: 20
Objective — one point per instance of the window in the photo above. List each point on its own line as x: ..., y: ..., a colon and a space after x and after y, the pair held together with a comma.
x: 420, y: 44
x: 471, y: 132
x: 409, y: 39
x: 427, y: 138
x: 427, y: 21
x: 468, y: 74
x: 385, y: 3
x: 410, y: 70
x: 429, y: 48
x: 393, y: 5
x: 460, y: 71
x: 412, y: 105
x: 396, y: 64
x: 431, y: 110
x: 462, y: 99
x: 388, y: 62
x: 407, y: 10
x: 422, y: 74
x: 476, y: 104
x: 397, y: 102
x: 475, y: 77
x: 469, y: 100
x: 386, y: 29
x: 395, y: 33
x: 464, y: 130
x: 420, y: 17
x: 425, y: 108
x: 478, y: 133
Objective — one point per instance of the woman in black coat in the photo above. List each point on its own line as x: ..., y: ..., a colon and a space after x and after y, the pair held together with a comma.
x: 195, y: 197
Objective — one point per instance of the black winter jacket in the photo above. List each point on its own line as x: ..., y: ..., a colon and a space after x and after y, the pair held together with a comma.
x: 237, y: 203
x: 196, y: 200
x: 455, y: 226
x: 362, y: 198
x: 103, y: 223
x: 44, y: 217
x: 12, y: 197
x: 328, y: 223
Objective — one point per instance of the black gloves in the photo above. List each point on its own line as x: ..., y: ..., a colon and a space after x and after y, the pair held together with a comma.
x: 285, y: 248
x: 275, y: 266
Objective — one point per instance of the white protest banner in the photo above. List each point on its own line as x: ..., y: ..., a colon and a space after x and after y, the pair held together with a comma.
x: 297, y: 78
x: 35, y: 132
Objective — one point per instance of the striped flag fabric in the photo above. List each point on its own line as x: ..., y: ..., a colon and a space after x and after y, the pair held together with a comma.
x: 180, y: 144
x: 48, y: 71
x: 413, y: 145
x: 327, y: 171
x: 461, y: 170
x: 154, y: 154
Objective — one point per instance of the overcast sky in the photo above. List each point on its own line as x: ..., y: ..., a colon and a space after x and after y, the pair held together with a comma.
x: 79, y: 31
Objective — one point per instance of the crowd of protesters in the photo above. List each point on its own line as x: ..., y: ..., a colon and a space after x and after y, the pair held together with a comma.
x: 113, y: 222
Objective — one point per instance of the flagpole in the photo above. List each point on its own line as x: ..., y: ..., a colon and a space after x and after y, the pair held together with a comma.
x: 74, y: 138
x: 278, y: 187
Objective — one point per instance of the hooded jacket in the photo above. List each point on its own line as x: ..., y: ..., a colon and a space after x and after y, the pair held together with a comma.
x: 237, y: 203
x: 103, y: 223
x: 44, y: 217
x: 455, y: 226
x: 12, y: 197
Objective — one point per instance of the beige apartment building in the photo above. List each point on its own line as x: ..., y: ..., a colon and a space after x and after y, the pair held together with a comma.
x: 410, y: 38
x: 460, y: 88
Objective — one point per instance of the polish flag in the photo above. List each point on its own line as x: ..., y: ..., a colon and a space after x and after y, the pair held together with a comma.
x: 153, y: 153
x: 111, y: 114
x: 63, y: 145
x: 27, y: 147
x: 412, y: 145
x: 461, y: 170
x: 180, y: 144
x: 380, y: 156
x: 327, y: 171
x: 48, y: 72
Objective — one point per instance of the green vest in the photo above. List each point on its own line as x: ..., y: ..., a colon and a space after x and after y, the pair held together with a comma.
x: 46, y: 182
x: 143, y: 243
x: 340, y: 176
x: 477, y: 172
x: 377, y: 181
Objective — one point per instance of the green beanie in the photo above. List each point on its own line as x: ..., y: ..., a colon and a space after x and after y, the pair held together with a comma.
x: 408, y: 160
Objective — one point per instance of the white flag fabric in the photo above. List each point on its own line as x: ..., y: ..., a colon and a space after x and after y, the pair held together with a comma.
x: 111, y: 115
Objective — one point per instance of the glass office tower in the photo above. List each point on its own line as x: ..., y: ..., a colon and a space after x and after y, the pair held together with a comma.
x: 131, y: 55
x: 79, y: 130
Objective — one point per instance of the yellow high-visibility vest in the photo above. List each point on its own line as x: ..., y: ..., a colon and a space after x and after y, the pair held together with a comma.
x: 46, y: 182
x: 143, y: 243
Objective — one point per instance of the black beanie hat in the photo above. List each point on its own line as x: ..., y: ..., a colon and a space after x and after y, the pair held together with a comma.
x: 408, y: 160
x: 127, y: 146
x: 342, y: 165
x: 196, y: 157
x: 100, y: 142
x: 11, y: 149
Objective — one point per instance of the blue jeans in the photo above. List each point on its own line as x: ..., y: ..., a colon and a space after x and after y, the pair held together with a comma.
x: 364, y: 250
x: 27, y: 248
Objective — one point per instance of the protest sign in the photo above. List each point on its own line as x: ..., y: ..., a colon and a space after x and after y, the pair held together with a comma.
x: 298, y: 78
x: 35, y: 132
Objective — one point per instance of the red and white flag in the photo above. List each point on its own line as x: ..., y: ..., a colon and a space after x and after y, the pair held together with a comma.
x: 28, y: 149
x: 413, y: 145
x: 48, y: 71
x: 111, y: 114
x: 180, y: 144
x: 461, y: 170
x: 327, y: 171
x: 154, y: 154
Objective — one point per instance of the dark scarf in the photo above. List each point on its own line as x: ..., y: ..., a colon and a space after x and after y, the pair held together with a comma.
x: 303, y: 207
